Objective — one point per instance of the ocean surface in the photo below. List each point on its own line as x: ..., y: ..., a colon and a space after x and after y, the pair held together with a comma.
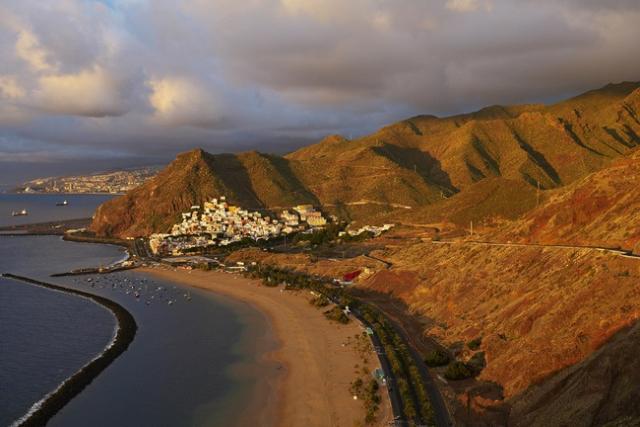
x: 193, y: 362
x: 42, y: 207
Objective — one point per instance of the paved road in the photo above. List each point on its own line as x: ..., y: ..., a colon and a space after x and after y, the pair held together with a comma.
x: 440, y: 410
x: 620, y: 252
x: 387, y: 264
x: 442, y: 417
x: 394, y: 394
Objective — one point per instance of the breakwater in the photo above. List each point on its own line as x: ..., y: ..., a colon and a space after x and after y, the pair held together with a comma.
x: 42, y: 411
x: 91, y: 238
x: 95, y: 270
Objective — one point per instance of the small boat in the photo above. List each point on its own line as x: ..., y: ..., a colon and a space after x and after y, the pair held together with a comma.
x: 23, y: 212
x: 63, y: 203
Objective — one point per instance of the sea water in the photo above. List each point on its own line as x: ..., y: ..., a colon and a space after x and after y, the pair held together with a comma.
x: 181, y: 369
x: 42, y: 207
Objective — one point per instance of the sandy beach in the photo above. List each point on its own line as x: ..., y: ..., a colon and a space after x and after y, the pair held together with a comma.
x: 319, y: 358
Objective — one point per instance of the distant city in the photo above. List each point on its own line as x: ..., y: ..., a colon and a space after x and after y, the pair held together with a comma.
x: 112, y: 182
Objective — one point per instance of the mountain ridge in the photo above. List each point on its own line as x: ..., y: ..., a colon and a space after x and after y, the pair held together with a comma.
x: 417, y: 162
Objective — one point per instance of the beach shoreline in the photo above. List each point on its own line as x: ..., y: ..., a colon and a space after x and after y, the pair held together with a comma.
x: 315, y: 361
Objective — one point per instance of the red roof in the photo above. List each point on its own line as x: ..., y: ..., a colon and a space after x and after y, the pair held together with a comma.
x: 350, y: 276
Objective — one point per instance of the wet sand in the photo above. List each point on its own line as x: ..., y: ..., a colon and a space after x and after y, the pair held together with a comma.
x: 315, y: 368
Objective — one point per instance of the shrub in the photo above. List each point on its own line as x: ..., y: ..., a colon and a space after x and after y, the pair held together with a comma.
x: 337, y: 315
x: 458, y: 371
x: 474, y: 344
x: 436, y: 358
x: 356, y: 387
x: 269, y: 282
x: 204, y: 266
x: 320, y: 301
x: 477, y: 361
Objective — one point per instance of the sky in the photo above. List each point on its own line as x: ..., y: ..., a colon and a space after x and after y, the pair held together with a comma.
x: 92, y: 84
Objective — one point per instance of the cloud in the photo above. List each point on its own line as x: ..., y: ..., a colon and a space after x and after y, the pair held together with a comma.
x: 179, y: 101
x: 127, y: 76
x: 28, y: 49
x: 467, y: 5
x: 10, y: 88
x: 93, y: 93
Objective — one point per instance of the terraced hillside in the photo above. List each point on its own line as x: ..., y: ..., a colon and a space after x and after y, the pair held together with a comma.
x: 405, y: 167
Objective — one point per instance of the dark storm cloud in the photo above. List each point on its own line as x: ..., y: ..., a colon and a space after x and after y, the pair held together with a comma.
x: 122, y: 78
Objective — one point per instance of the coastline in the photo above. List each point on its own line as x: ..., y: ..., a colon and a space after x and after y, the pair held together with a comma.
x: 315, y: 359
x: 46, y: 408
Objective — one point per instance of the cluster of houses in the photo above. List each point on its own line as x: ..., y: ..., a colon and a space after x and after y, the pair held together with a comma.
x: 218, y: 223
x: 373, y: 229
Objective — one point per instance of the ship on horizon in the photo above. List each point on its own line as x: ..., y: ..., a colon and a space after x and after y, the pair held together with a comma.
x: 63, y: 203
x: 23, y: 212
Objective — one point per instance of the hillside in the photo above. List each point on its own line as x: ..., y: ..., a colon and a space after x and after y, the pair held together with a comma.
x: 558, y: 326
x: 599, y: 210
x: 601, y: 390
x: 408, y: 170
x: 191, y: 179
x: 522, y: 301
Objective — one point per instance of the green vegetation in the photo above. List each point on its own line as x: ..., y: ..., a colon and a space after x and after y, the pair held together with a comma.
x: 436, y: 358
x: 337, y: 315
x: 365, y: 388
x: 369, y: 394
x: 474, y: 344
x: 321, y: 236
x: 415, y: 401
x: 458, y: 370
x: 477, y: 362
x: 320, y: 301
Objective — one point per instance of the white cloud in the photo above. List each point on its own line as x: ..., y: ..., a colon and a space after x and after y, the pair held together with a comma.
x: 464, y: 6
x: 93, y: 93
x: 10, y: 88
x: 28, y: 48
x: 179, y: 101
